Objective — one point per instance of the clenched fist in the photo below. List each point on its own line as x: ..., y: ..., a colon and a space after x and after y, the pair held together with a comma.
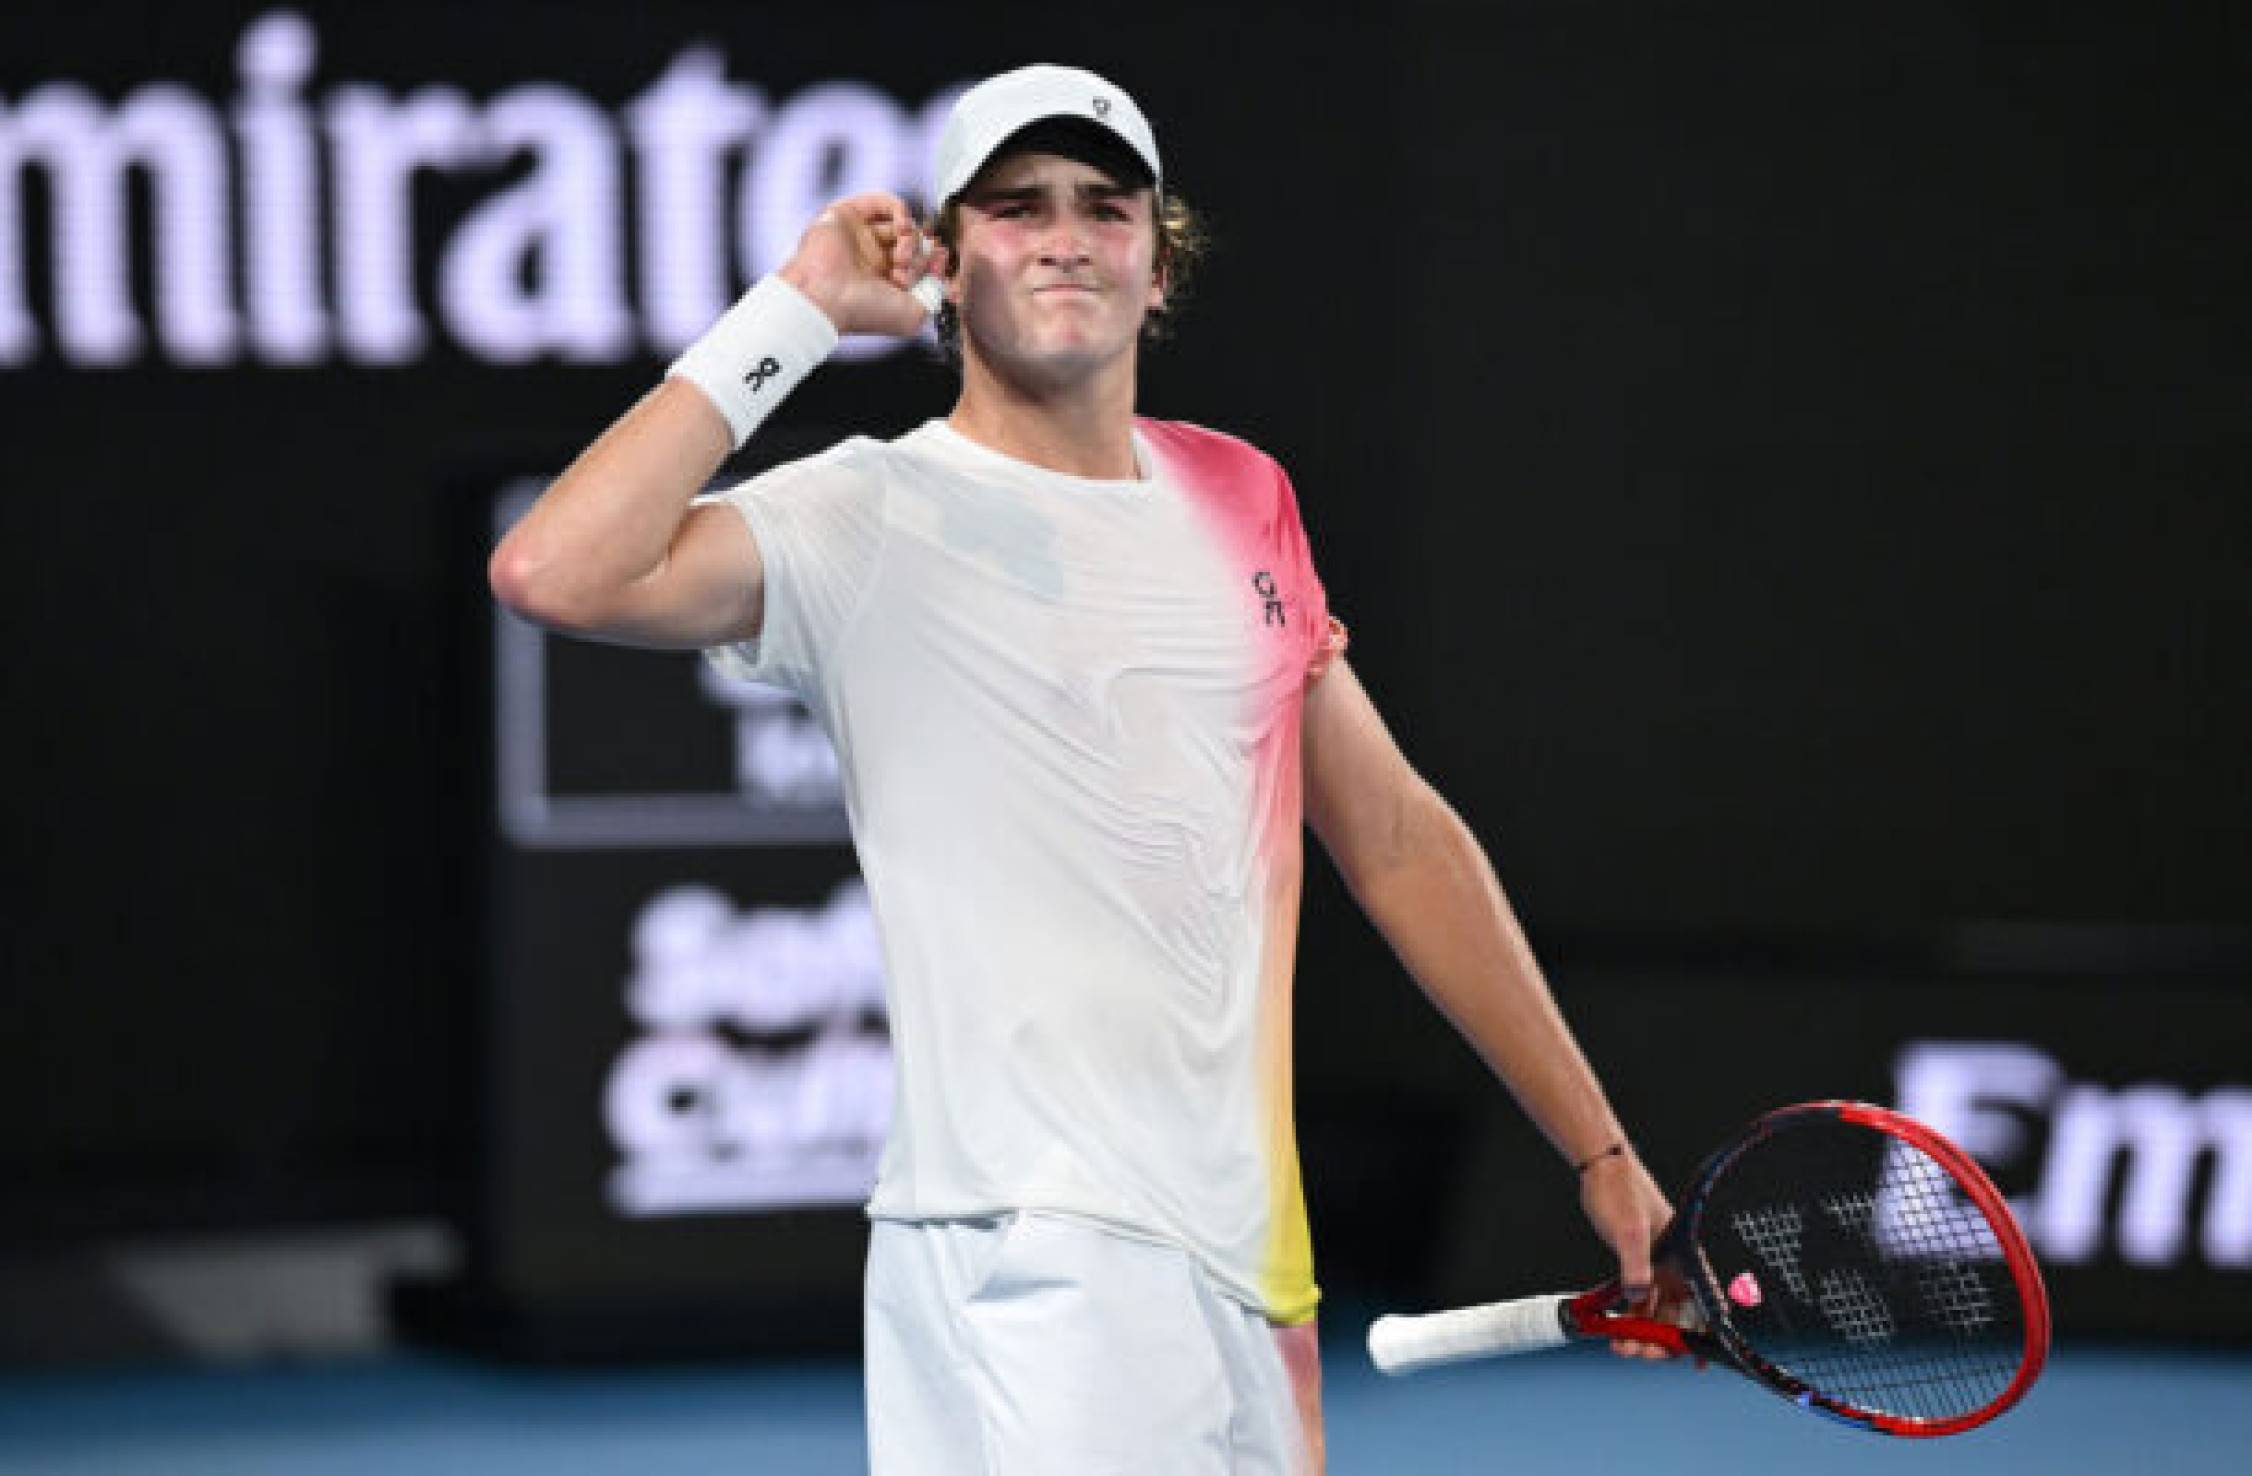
x: 857, y: 261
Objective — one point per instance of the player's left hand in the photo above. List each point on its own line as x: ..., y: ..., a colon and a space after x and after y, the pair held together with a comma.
x: 1628, y: 1210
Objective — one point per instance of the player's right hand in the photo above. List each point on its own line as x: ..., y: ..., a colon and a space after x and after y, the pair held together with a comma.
x: 857, y: 260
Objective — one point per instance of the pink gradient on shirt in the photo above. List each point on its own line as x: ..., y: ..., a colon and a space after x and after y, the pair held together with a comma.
x: 1248, y: 503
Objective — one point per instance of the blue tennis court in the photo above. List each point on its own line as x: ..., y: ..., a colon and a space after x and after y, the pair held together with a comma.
x: 2096, y: 1410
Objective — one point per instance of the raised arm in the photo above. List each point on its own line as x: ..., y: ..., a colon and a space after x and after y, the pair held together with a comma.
x: 615, y: 549
x: 1424, y: 880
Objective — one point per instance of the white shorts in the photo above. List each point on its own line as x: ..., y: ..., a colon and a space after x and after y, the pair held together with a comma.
x: 1039, y: 1343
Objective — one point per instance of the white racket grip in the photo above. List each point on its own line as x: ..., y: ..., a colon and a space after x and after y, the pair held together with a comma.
x: 1399, y: 1344
x: 931, y: 293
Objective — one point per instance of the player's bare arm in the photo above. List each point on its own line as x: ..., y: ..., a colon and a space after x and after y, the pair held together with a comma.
x: 1425, y: 881
x: 616, y: 549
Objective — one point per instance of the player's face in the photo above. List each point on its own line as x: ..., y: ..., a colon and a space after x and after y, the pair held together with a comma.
x: 1056, y: 267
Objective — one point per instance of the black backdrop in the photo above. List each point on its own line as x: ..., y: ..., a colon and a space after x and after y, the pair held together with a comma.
x: 1783, y: 466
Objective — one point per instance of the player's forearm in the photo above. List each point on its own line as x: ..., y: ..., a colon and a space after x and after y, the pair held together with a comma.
x: 1440, y: 906
x: 592, y: 555
x: 609, y: 521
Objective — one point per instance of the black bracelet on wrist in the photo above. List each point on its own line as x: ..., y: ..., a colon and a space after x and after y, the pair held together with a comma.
x: 1616, y: 1150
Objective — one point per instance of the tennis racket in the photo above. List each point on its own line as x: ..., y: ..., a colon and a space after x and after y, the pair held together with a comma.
x: 1846, y: 1257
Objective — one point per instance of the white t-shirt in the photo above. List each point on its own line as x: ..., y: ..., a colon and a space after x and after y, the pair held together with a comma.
x: 1067, y: 714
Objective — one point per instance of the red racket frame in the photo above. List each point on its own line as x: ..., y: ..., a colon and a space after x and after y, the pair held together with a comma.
x: 1589, y: 1316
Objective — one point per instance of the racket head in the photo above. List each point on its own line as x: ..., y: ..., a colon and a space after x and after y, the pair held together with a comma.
x: 1860, y: 1265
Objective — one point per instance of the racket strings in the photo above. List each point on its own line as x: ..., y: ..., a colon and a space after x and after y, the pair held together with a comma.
x: 1879, y: 1286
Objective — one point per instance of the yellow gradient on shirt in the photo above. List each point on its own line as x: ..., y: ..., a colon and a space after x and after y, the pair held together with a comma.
x: 1287, y: 1272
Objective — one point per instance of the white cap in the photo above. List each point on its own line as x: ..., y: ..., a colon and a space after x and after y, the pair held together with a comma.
x: 989, y: 114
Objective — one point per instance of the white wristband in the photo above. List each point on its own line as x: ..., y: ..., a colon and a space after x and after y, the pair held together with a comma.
x: 757, y: 352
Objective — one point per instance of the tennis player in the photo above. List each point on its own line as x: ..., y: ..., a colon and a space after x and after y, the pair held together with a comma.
x: 1085, y: 690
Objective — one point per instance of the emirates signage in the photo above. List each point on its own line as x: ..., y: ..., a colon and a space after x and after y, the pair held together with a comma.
x: 281, y: 223
x: 2151, y: 1172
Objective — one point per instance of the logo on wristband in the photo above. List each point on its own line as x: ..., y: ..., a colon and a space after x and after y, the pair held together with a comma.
x: 764, y: 370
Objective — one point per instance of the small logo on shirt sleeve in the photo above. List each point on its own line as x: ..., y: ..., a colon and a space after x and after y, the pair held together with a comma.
x: 1264, y: 584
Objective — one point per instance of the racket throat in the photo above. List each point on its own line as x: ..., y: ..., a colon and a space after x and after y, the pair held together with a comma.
x: 1594, y: 1315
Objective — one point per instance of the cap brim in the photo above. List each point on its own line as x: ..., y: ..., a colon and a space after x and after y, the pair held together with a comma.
x: 1070, y: 137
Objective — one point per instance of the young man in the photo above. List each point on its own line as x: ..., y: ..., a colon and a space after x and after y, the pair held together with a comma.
x: 1084, y: 687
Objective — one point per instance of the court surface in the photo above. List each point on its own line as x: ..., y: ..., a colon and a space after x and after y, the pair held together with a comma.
x: 2142, y: 1412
